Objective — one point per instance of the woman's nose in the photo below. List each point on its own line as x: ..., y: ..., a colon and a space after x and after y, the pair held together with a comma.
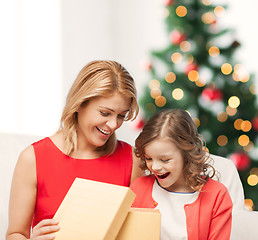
x: 112, y: 123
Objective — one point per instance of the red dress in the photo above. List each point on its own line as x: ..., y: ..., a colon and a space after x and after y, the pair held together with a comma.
x: 57, y: 171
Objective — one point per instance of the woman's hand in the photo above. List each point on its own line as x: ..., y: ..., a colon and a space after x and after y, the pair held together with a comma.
x: 45, y: 230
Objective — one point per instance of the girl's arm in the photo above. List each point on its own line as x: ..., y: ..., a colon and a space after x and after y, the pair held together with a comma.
x: 22, y: 202
x: 220, y: 227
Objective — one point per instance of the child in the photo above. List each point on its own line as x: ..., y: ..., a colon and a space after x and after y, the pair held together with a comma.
x: 192, y: 205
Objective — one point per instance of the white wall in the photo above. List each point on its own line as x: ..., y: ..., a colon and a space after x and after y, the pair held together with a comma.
x: 47, y: 42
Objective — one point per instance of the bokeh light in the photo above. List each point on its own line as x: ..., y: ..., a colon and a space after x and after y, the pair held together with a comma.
x: 222, y: 140
x: 181, y: 11
x: 170, y: 77
x: 185, y: 46
x: 156, y: 92
x: 249, y: 205
x: 252, y: 180
x: 154, y: 84
x: 237, y: 124
x: 243, y: 140
x: 207, y: 2
x: 176, y: 57
x: 233, y: 102
x: 208, y: 18
x: 246, y: 126
x: 177, y: 94
x: 222, y: 117
x: 196, y: 122
x: 193, y: 75
x: 226, y: 68
x: 160, y: 101
x: 231, y: 111
x: 219, y: 11
x: 214, y: 51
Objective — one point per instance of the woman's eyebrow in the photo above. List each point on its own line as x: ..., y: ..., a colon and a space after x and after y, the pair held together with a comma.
x: 112, y: 110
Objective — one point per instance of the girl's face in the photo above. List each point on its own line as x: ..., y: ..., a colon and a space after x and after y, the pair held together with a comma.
x: 164, y: 159
x: 100, y: 117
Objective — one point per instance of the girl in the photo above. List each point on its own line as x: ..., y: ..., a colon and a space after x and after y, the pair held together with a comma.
x: 102, y: 97
x: 192, y: 205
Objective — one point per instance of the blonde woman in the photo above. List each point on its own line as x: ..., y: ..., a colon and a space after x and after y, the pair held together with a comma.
x: 192, y: 204
x: 102, y: 97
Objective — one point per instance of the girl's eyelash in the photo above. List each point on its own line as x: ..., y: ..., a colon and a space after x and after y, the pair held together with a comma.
x: 166, y: 160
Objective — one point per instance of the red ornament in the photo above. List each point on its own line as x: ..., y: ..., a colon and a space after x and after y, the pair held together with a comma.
x: 212, y: 94
x: 255, y: 123
x: 138, y: 123
x: 168, y: 2
x: 177, y: 37
x: 241, y: 160
x: 147, y: 65
x: 190, y: 67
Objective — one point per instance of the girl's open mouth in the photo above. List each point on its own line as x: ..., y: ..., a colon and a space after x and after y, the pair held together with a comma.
x: 162, y: 176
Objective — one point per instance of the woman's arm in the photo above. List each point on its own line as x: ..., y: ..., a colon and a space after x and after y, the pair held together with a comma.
x: 22, y: 201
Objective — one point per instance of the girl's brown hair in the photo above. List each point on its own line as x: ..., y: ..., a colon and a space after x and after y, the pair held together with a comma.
x: 178, y: 125
x: 97, y: 79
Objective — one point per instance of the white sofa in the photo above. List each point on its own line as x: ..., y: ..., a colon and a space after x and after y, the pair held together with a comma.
x: 244, y: 222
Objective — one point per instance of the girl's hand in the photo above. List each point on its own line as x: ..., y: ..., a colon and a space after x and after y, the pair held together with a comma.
x: 44, y: 230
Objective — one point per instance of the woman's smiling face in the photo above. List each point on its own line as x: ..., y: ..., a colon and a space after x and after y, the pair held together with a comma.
x: 165, y: 160
x: 100, y: 117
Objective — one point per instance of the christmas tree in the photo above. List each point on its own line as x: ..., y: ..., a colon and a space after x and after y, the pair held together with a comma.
x: 197, y: 71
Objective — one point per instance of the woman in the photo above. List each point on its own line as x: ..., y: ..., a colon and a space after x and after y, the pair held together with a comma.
x: 102, y: 97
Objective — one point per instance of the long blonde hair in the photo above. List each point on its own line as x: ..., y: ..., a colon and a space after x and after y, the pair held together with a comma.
x: 99, y: 78
x: 177, y: 125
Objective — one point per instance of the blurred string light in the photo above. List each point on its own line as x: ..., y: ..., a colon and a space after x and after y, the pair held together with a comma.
x: 222, y: 140
x: 219, y: 11
x: 185, y: 46
x: 222, y: 117
x: 190, y: 58
x: 252, y: 89
x: 214, y: 51
x: 249, y: 147
x: 252, y: 180
x: 249, y: 205
x: 160, y: 101
x: 246, y: 126
x: 207, y: 2
x: 177, y: 94
x: 226, y: 68
x: 176, y: 57
x: 208, y: 18
x: 181, y: 11
x: 243, y: 140
x: 234, y: 101
x: 231, y: 111
x: 196, y: 122
x: 193, y: 75
x: 154, y: 84
x: 240, y: 73
x: 170, y: 77
x: 200, y: 82
x: 237, y: 124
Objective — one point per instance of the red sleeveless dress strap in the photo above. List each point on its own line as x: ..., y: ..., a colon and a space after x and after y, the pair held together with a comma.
x: 56, y: 172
